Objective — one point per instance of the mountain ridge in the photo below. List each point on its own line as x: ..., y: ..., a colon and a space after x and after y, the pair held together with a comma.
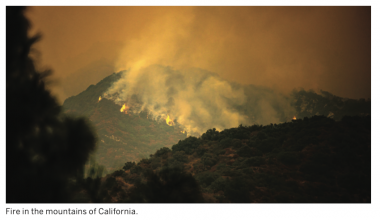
x: 285, y: 162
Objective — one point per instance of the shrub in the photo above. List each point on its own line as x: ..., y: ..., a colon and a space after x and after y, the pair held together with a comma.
x: 218, y: 151
x: 209, y: 159
x: 219, y: 184
x: 136, y: 169
x: 211, y: 134
x: 267, y: 145
x: 200, y: 151
x: 188, y: 145
x: 261, y: 135
x: 144, y: 160
x: 236, y: 144
x: 226, y: 142
x: 162, y: 151
x: 288, y: 158
x: 128, y: 165
x: 175, y: 164
x: 206, y: 178
x: 118, y: 173
x: 180, y: 156
x: 254, y: 161
x: 245, y: 152
x: 156, y: 162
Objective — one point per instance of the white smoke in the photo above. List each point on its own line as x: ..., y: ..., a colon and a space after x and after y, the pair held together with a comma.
x: 197, y: 100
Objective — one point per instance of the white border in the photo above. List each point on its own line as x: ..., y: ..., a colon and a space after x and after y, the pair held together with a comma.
x: 217, y: 211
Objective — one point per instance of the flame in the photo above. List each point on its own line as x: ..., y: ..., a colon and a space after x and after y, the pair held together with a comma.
x: 122, y: 108
x: 100, y: 98
x: 169, y: 121
x: 294, y: 118
x: 183, y: 132
x: 125, y: 109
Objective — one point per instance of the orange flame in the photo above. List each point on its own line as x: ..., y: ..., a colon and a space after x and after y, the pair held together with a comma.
x: 183, y: 132
x: 169, y: 121
x: 122, y: 108
x: 100, y: 98
x: 294, y: 118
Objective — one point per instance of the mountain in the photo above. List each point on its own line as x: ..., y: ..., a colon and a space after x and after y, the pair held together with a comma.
x: 324, y: 157
x: 309, y: 103
x: 314, y: 160
x: 121, y: 136
x: 135, y: 133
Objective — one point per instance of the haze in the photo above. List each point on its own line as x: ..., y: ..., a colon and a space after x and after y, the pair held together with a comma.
x: 282, y: 48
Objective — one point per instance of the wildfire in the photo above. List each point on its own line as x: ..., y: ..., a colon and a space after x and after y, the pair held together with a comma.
x: 169, y: 121
x: 294, y: 118
x: 122, y: 108
x: 125, y: 109
x: 100, y: 98
x: 183, y: 132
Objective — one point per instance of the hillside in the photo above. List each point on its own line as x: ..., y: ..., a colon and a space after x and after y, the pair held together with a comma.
x: 312, y: 160
x: 121, y: 136
x: 133, y: 133
x: 309, y: 103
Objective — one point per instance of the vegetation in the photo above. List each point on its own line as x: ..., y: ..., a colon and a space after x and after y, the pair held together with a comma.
x: 313, y: 160
x: 309, y: 103
x: 45, y: 150
x: 324, y: 157
x: 120, y: 136
x: 133, y: 137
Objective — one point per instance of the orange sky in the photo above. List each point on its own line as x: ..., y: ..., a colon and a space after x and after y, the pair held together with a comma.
x: 326, y: 48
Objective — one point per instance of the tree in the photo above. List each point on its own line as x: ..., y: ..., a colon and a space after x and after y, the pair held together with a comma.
x: 45, y: 151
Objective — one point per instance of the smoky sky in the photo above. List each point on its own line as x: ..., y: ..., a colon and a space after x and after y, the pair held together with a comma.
x: 281, y: 48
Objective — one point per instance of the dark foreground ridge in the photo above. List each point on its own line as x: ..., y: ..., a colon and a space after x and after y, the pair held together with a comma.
x: 313, y: 160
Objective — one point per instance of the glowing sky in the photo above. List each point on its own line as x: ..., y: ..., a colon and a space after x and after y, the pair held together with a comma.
x: 326, y: 48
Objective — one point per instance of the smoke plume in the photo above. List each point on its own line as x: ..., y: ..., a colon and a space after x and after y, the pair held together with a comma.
x: 196, y: 99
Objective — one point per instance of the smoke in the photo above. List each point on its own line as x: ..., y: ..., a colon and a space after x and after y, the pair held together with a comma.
x: 267, y: 106
x: 167, y: 62
x: 168, y: 40
x: 326, y: 48
x: 166, y: 76
x: 196, y: 99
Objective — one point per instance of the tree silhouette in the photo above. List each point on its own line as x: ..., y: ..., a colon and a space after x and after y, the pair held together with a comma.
x: 45, y: 150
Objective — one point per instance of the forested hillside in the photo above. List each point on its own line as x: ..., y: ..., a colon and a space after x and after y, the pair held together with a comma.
x: 313, y: 160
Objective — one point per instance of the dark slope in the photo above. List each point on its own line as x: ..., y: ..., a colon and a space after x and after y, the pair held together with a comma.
x: 121, y: 137
x: 309, y: 103
x: 311, y: 160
